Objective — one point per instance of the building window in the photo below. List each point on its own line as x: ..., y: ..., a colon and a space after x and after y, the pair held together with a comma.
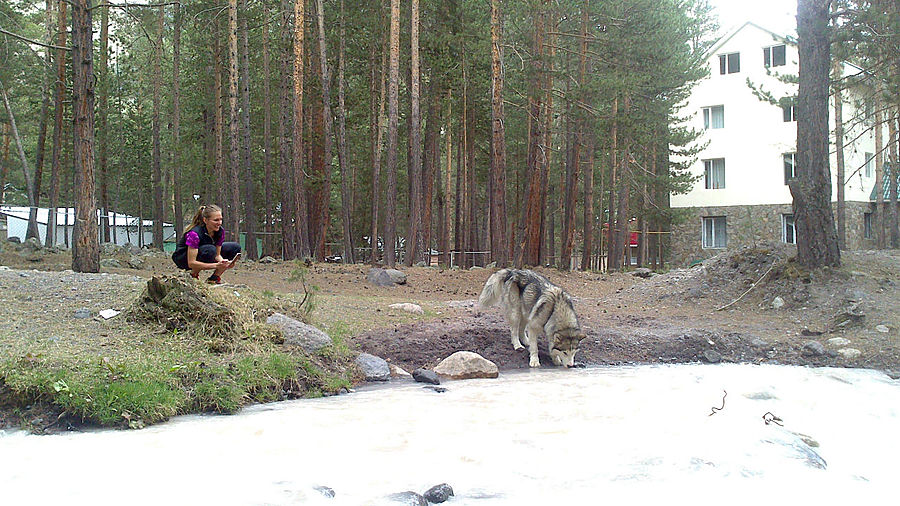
x: 788, y: 232
x: 729, y: 63
x: 789, y: 112
x: 870, y: 164
x: 714, y: 173
x: 790, y: 167
x: 715, y: 233
x: 714, y: 117
x: 773, y: 56
x: 867, y: 225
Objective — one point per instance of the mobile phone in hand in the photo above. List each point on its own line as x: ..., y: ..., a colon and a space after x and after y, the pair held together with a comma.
x: 235, y: 259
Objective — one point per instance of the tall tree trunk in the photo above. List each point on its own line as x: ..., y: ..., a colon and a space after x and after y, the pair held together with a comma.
x: 325, y: 77
x: 414, y: 243
x: 4, y: 163
x: 432, y: 159
x: 497, y: 201
x: 817, y: 244
x: 59, y: 93
x: 894, y: 180
x: 102, y: 118
x: 220, y: 179
x: 839, y: 151
x: 390, y: 256
x: 530, y: 251
x: 85, y: 244
x: 881, y: 211
x: 26, y: 170
x: 232, y: 217
x: 459, y: 203
x: 32, y: 230
x: 586, y: 137
x: 343, y: 155
x: 268, y: 245
x: 157, y: 162
x: 377, y: 140
x: 444, y: 203
x: 289, y: 236
x: 551, y: 27
x: 471, y: 226
x: 611, y: 234
x: 176, y: 122
x: 301, y: 216
x: 249, y: 199
x: 573, y: 167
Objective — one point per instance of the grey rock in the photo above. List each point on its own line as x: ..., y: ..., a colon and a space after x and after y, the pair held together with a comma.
x: 893, y: 374
x: 326, y: 491
x: 373, y: 368
x: 838, y: 341
x: 465, y: 365
x: 777, y: 303
x: 439, y: 390
x: 426, y: 376
x: 33, y: 244
x: 408, y: 498
x: 882, y: 328
x: 849, y: 353
x: 813, y: 349
x: 136, y: 262
x: 438, y: 493
x: 712, y: 356
x: 82, y: 313
x: 421, y: 264
x: 133, y: 249
x: 492, y: 265
x: 408, y: 307
x: 110, y: 263
x: 297, y: 333
x: 24, y: 275
x: 267, y: 260
x: 398, y: 277
x: 14, y: 240
x: 642, y: 272
x: 379, y: 277
x: 109, y: 249
x: 758, y: 343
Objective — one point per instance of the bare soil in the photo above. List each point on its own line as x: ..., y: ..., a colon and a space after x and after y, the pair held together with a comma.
x: 674, y: 317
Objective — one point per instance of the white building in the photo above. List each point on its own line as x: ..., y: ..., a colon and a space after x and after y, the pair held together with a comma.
x: 741, y: 196
x: 124, y: 229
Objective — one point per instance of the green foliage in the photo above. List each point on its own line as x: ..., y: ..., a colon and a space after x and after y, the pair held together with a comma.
x: 308, y: 301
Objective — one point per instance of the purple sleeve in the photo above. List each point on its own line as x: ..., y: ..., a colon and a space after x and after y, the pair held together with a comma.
x: 192, y: 240
x: 221, y: 238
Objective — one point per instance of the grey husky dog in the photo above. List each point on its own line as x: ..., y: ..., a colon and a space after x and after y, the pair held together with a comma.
x: 531, y: 304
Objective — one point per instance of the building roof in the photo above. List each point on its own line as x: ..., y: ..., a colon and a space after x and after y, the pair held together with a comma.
x: 62, y: 213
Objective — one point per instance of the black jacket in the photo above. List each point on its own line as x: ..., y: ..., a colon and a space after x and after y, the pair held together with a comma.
x: 179, y: 256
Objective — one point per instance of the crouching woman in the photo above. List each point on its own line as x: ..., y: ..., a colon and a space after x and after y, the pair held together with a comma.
x: 202, y: 246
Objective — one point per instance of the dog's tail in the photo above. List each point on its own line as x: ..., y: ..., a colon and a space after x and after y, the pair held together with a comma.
x: 493, y: 289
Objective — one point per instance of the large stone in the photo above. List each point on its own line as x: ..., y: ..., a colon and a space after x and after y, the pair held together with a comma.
x: 849, y: 353
x: 642, y: 272
x: 297, y: 333
x: 379, y: 277
x: 267, y: 260
x: 33, y: 244
x: 110, y: 263
x: 373, y: 368
x: 777, y: 303
x: 398, y: 277
x: 426, y: 376
x: 407, y: 499
x: 109, y: 249
x: 465, y: 365
x: 438, y: 493
x: 712, y: 356
x: 884, y: 329
x: 408, y: 307
x: 813, y: 349
x: 136, y: 262
x: 838, y: 341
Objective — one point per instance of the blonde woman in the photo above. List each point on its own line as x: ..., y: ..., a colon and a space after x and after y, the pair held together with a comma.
x: 202, y: 246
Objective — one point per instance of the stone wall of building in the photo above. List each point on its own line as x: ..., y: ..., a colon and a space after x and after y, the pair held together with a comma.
x: 748, y: 225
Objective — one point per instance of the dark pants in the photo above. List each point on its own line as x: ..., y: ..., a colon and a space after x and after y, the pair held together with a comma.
x: 207, y: 254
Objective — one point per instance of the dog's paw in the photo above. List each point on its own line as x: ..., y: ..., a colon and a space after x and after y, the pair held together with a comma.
x: 518, y: 348
x: 534, y: 362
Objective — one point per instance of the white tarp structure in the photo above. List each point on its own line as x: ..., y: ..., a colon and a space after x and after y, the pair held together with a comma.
x: 124, y: 229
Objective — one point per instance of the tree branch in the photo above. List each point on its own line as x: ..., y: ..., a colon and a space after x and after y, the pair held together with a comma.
x: 30, y: 41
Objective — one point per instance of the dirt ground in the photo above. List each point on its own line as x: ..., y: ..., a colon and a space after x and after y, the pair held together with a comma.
x: 853, y: 313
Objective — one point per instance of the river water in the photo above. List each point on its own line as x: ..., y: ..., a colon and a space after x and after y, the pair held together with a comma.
x: 584, y: 436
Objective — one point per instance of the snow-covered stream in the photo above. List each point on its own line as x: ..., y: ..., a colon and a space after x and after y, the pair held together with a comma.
x: 585, y: 436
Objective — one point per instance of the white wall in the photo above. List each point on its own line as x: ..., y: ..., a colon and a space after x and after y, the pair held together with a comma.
x: 755, y: 136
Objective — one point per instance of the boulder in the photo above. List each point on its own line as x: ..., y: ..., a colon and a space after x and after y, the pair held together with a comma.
x: 33, y: 244
x: 813, y: 349
x: 109, y: 249
x: 374, y: 368
x: 777, y: 303
x: 379, y: 277
x: 438, y: 493
x: 136, y: 262
x: 426, y: 376
x: 408, y: 307
x: 267, y: 260
x: 398, y: 372
x: 110, y: 263
x: 14, y: 240
x: 849, y: 353
x: 712, y: 356
x: 465, y: 365
x: 407, y: 498
x: 642, y: 272
x: 398, y: 277
x: 297, y: 333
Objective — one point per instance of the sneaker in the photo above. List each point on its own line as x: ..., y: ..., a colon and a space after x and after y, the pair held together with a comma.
x: 214, y: 280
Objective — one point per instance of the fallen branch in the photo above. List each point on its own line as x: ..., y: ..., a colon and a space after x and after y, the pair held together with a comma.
x: 715, y: 409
